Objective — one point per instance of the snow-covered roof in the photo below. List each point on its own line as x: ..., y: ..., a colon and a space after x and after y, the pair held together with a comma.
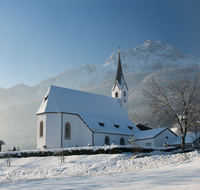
x: 190, y: 138
x: 119, y: 85
x: 143, y: 127
x: 148, y: 134
x: 92, y: 108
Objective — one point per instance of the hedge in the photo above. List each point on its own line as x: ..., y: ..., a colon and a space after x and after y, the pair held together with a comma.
x: 80, y: 151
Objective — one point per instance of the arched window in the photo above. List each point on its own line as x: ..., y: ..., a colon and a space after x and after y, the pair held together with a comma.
x: 122, y: 141
x: 107, y: 140
x: 124, y: 93
x: 116, y: 94
x: 41, y: 129
x: 67, y: 131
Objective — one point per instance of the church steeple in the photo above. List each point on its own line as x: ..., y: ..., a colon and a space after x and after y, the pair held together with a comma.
x: 120, y: 89
x: 119, y: 76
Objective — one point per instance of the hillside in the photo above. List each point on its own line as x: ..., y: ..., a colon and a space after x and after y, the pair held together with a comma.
x: 161, y: 61
x: 103, y: 171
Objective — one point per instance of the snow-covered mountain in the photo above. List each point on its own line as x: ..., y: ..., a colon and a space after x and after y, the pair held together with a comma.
x: 152, y: 59
x: 151, y: 56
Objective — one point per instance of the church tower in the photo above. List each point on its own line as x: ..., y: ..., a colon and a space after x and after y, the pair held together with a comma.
x: 120, y: 89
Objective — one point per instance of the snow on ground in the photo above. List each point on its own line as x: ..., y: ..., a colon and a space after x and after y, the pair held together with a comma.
x: 110, y: 171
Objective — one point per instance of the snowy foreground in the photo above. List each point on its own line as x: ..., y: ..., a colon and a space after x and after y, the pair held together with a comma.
x: 110, y: 171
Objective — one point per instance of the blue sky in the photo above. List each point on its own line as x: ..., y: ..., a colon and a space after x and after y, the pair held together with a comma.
x: 40, y: 39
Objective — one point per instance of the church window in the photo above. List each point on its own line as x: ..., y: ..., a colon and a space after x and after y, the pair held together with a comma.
x: 122, y: 141
x: 117, y: 126
x: 41, y: 129
x: 124, y: 100
x: 67, y: 131
x: 131, y: 128
x: 101, y: 124
x: 107, y: 140
x: 124, y: 93
x: 116, y: 94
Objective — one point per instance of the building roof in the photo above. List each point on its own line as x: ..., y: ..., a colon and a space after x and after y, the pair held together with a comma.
x: 143, y: 127
x: 149, y: 134
x: 119, y: 79
x: 92, y: 108
x: 119, y: 76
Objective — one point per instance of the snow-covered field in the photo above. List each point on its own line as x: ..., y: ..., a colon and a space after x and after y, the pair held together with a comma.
x: 110, y: 171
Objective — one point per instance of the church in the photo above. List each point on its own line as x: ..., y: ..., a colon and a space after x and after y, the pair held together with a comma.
x: 72, y: 118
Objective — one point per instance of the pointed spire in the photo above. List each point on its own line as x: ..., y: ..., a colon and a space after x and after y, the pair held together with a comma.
x: 119, y: 76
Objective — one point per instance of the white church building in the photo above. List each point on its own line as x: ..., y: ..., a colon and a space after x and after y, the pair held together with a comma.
x: 71, y: 118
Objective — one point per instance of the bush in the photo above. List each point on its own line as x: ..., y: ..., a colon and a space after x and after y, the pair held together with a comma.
x: 80, y: 151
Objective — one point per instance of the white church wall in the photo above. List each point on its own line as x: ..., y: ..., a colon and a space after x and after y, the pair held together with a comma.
x: 80, y: 134
x: 125, y: 104
x: 122, y: 96
x: 41, y: 140
x: 164, y: 137
x: 53, y: 130
x: 99, y: 139
x: 116, y: 89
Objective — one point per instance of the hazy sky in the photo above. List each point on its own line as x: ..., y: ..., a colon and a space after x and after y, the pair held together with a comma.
x: 40, y: 39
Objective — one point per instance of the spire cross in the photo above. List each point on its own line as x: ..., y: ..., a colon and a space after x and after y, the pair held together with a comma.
x: 119, y: 48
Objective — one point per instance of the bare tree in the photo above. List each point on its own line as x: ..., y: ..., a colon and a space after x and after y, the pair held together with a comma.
x: 61, y: 156
x: 179, y: 99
